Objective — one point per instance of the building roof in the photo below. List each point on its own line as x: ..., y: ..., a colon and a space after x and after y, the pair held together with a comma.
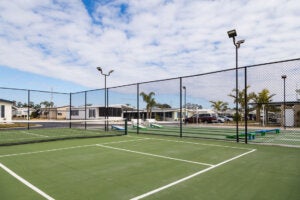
x: 288, y: 103
x: 6, y: 101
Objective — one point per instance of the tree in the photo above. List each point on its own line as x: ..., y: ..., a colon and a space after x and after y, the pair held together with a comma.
x: 47, y: 105
x: 262, y: 98
x: 241, y: 100
x: 150, y: 102
x: 192, y: 106
x: 241, y: 97
x: 162, y: 106
x: 219, y: 106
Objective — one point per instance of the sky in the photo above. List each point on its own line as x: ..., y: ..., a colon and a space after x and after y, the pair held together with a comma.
x: 57, y: 44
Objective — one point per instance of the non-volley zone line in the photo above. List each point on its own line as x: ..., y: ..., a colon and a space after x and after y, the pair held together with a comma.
x: 67, y: 148
x: 154, y: 155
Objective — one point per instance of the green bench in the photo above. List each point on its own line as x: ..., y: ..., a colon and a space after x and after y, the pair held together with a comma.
x: 252, y: 134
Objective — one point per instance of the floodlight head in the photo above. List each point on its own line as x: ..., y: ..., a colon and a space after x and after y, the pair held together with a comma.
x: 183, y: 87
x: 111, y: 71
x: 99, y: 69
x: 240, y: 42
x: 231, y: 33
x: 283, y: 76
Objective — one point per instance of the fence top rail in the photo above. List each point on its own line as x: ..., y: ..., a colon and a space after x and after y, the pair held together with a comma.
x: 159, y: 80
x: 30, y: 90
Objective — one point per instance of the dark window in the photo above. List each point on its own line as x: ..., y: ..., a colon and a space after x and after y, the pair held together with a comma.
x: 74, y: 112
x: 92, y: 113
x: 2, y: 111
x: 111, y: 112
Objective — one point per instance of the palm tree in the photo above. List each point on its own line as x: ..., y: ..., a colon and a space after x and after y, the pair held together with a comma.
x: 150, y: 101
x: 262, y: 98
x: 241, y: 99
x: 219, y: 106
x: 47, y: 105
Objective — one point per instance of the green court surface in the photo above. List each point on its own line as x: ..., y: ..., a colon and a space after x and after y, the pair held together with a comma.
x: 8, y: 137
x: 285, y: 137
x: 148, y: 167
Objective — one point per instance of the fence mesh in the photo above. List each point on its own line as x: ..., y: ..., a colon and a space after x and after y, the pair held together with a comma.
x: 202, y: 105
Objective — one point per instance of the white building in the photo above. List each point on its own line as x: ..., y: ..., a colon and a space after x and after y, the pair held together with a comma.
x: 22, y: 112
x: 5, y: 110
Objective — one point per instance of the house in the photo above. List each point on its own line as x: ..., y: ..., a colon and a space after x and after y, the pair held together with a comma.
x: 5, y: 110
x: 95, y: 112
x: 53, y: 113
x: 22, y: 112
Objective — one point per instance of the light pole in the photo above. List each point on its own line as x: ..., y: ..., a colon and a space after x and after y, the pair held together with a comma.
x: 232, y: 34
x: 284, y: 101
x: 183, y: 87
x: 105, y: 95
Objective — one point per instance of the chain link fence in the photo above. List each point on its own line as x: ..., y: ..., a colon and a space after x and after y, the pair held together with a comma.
x: 265, y: 108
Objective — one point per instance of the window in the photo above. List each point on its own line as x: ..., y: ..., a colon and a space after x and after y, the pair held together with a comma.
x: 111, y: 112
x: 92, y: 113
x: 2, y: 111
x: 74, y: 112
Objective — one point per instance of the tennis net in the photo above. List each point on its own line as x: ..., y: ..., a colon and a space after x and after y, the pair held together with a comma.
x: 30, y: 131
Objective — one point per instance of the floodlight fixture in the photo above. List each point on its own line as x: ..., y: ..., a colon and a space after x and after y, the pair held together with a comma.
x: 111, y: 71
x: 238, y: 43
x: 232, y: 33
x: 99, y: 69
x: 283, y: 76
x: 105, y: 95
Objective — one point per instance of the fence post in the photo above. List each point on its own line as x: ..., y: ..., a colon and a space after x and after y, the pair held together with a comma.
x: 126, y: 127
x: 28, y: 109
x: 138, y: 106
x: 85, y: 101
x: 246, y: 108
x: 70, y: 113
x: 180, y: 123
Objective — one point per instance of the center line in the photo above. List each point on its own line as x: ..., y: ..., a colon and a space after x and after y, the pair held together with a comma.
x: 155, y: 155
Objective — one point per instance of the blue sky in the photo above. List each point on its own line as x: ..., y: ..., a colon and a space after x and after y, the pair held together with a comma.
x: 59, y: 43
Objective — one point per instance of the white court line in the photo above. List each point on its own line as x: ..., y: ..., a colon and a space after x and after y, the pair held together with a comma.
x: 28, y: 133
x: 204, y: 144
x: 22, y: 180
x: 285, y: 139
x: 125, y: 141
x: 65, y: 148
x: 155, y: 155
x: 44, y: 151
x: 189, y: 177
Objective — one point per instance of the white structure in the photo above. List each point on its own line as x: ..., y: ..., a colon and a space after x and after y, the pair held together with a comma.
x: 22, y: 112
x: 5, y: 110
x: 95, y: 112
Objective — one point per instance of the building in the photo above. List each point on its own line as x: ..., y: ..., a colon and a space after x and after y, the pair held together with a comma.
x: 5, y: 110
x: 97, y: 112
x: 22, y: 112
x: 54, y: 113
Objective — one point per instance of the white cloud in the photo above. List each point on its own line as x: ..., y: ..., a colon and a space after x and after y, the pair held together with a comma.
x: 149, y: 40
